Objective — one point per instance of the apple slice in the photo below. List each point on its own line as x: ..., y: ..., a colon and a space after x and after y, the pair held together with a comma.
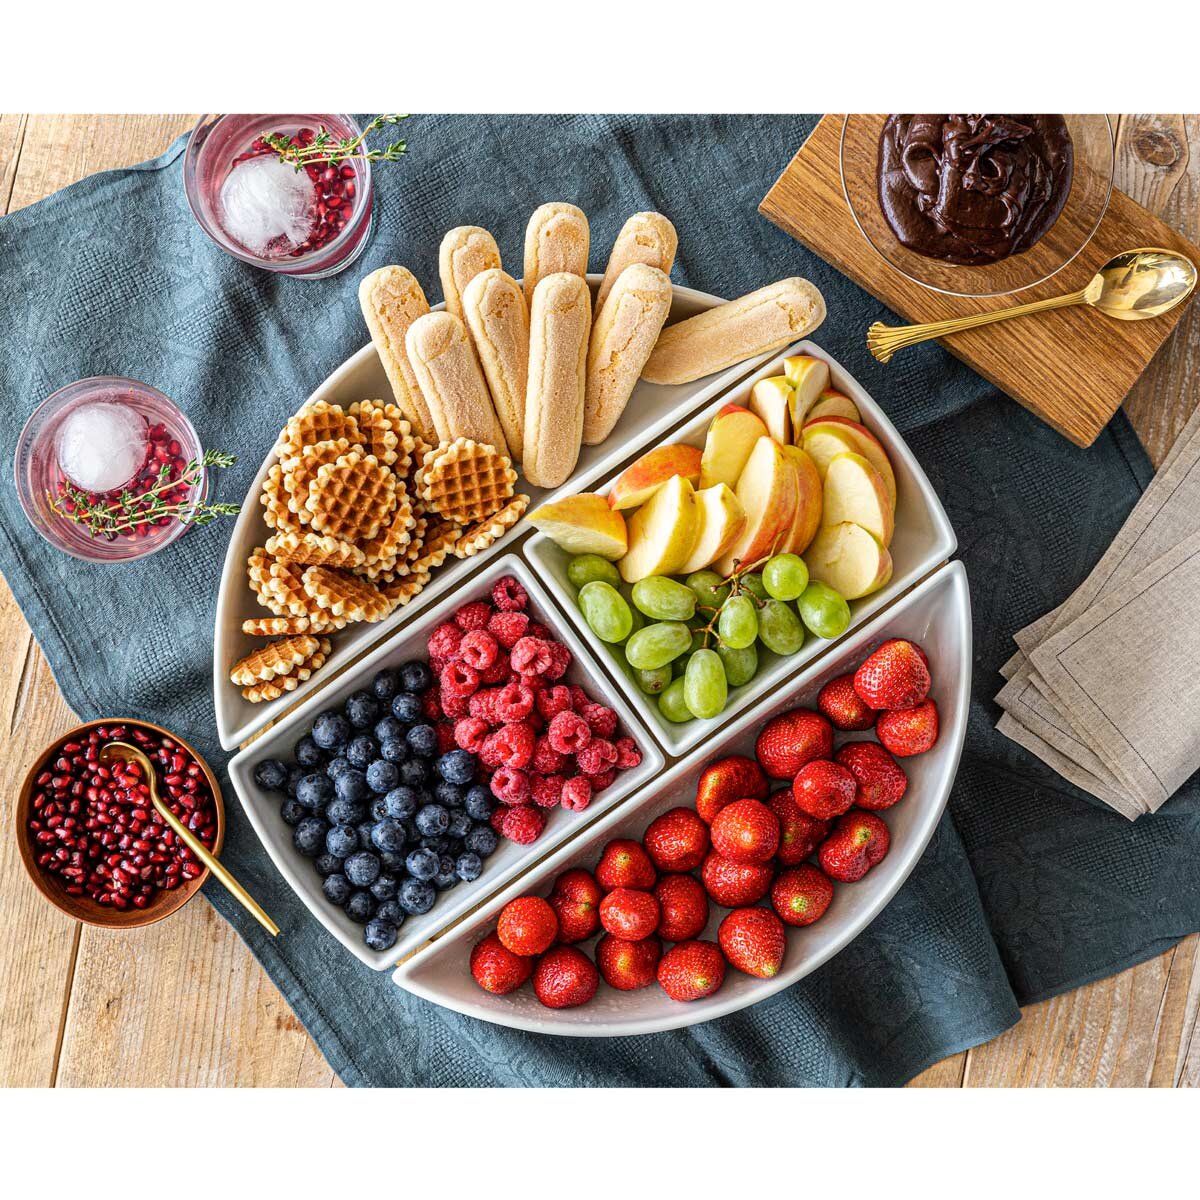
x: 809, y: 377
x: 583, y: 524
x: 643, y: 477
x: 768, y: 490
x: 810, y: 501
x: 769, y: 399
x: 834, y: 404
x: 662, y: 532
x: 854, y: 491
x: 858, y: 438
x: 720, y: 518
x: 849, y: 559
x: 731, y: 436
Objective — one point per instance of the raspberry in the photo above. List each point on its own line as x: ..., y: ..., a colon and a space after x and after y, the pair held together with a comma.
x: 494, y: 751
x: 568, y: 733
x: 598, y: 755
x: 444, y: 640
x: 508, y: 628
x: 432, y: 702
x: 510, y: 785
x: 473, y: 616
x: 628, y: 754
x: 445, y: 736
x: 546, y: 790
x: 579, y: 698
x: 498, y: 672
x: 483, y: 705
x: 455, y: 706
x: 537, y: 630
x: 522, y: 823
x: 496, y: 820
x: 478, y: 649
x: 602, y: 780
x: 532, y: 656
x: 601, y: 719
x: 514, y: 702
x: 458, y: 679
x: 553, y: 700
x: 516, y: 740
x: 469, y: 734
x: 508, y: 595
x: 560, y: 660
x: 576, y: 793
x: 546, y: 760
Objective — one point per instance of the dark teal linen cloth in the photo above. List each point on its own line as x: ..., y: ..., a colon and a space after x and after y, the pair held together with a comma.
x: 1026, y: 890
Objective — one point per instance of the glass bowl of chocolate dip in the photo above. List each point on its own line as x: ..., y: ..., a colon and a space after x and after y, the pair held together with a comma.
x: 977, y: 204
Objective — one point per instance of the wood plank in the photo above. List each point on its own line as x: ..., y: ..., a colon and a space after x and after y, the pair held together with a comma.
x: 12, y: 133
x: 946, y: 1074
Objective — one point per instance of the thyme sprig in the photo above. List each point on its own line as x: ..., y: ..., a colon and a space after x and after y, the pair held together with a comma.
x: 325, y: 148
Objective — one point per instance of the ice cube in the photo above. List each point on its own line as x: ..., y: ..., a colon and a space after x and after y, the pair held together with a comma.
x: 101, y: 446
x: 267, y: 205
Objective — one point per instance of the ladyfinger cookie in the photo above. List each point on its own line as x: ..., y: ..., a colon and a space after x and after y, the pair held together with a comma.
x: 647, y: 237
x: 560, y: 319
x: 623, y: 335
x: 445, y: 363
x: 556, y: 239
x: 765, y: 320
x: 464, y: 252
x: 496, y: 315
x: 391, y: 300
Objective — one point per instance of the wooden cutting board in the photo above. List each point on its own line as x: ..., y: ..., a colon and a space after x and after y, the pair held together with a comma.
x: 1072, y: 367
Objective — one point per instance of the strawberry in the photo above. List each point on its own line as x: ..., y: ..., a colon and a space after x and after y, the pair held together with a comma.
x: 527, y: 925
x: 823, y: 789
x: 733, y: 884
x: 910, y: 731
x: 799, y: 834
x: 894, y: 676
x: 628, y: 966
x: 497, y: 969
x: 677, y: 841
x: 624, y: 864
x: 843, y: 706
x: 684, y: 905
x: 575, y: 899
x: 726, y: 780
x: 858, y: 842
x: 880, y: 778
x: 790, y: 740
x: 629, y: 914
x: 746, y: 831
x: 691, y: 970
x: 801, y: 895
x: 753, y: 940
x: 565, y: 978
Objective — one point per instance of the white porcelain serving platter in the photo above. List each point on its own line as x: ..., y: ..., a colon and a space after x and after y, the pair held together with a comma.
x: 923, y: 539
x: 936, y: 614
x: 651, y: 411
x: 262, y: 808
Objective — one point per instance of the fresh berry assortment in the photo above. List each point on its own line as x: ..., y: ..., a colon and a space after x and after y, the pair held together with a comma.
x: 771, y: 858
x: 405, y: 791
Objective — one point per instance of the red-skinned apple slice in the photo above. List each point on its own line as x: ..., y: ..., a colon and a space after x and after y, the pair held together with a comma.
x: 830, y: 436
x: 643, y: 477
x: 769, y: 399
x: 834, y: 404
x: 662, y: 532
x: 730, y: 438
x: 583, y: 524
x: 809, y: 377
x: 849, y: 560
x: 720, y: 519
x: 810, y: 501
x: 854, y: 491
x: 768, y: 490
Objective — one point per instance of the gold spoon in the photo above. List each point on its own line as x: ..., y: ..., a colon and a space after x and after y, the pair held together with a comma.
x: 112, y: 750
x: 1131, y: 287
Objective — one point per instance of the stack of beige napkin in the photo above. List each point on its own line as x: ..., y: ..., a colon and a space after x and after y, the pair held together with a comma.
x: 1106, y: 688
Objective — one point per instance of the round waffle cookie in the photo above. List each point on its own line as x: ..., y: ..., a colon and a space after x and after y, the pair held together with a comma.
x: 420, y: 449
x: 275, y: 658
x: 274, y: 500
x: 466, y: 481
x: 317, y: 421
x: 345, y: 597
x: 272, y: 689
x: 352, y: 497
x: 258, y: 570
x: 314, y: 550
x: 398, y: 592
x: 385, y: 432
x: 275, y: 626
x: 440, y: 536
x: 286, y: 588
x: 299, y: 470
x: 483, y: 533
x: 395, y: 535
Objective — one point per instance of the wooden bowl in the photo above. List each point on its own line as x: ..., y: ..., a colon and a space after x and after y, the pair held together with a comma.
x: 82, y: 908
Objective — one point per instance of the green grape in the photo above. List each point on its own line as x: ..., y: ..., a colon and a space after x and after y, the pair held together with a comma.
x: 699, y: 640
x: 785, y: 576
x: 672, y: 705
x: 704, y: 685
x: 679, y: 666
x: 824, y: 611
x: 738, y: 622
x: 779, y: 628
x: 740, y: 665
x: 588, y: 568
x: 664, y: 599
x: 711, y: 590
x: 639, y: 621
x: 657, y: 645
x: 653, y: 682
x: 605, y: 611
x: 753, y: 583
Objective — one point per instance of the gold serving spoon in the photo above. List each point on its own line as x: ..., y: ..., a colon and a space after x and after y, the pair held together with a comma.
x: 112, y: 750
x: 1130, y: 287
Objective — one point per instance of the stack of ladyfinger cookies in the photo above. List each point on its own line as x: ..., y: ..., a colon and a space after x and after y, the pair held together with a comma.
x: 536, y: 370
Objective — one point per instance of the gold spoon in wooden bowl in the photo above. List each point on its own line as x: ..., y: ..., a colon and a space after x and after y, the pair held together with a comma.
x: 1132, y: 286
x: 115, y: 750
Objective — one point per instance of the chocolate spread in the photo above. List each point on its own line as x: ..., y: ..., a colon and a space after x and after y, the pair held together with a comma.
x: 973, y: 189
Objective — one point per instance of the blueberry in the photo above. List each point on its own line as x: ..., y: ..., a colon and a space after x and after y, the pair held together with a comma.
x: 423, y: 740
x: 307, y: 753
x: 479, y: 803
x: 390, y: 910
x: 330, y: 731
x: 468, y: 867
x: 433, y: 820
x: 362, y: 710
x: 315, y: 790
x: 378, y: 808
x: 294, y: 775
x: 407, y: 708
x: 292, y: 811
x: 392, y: 861
x: 411, y: 832
x: 439, y: 845
x: 345, y: 812
x: 382, y: 776
x: 337, y: 767
x: 309, y: 836
x: 337, y: 889
x: 414, y: 772
x: 416, y: 896
x: 394, y: 749
x: 387, y: 835
x: 361, y: 907
x: 271, y: 775
x: 415, y: 676
x: 341, y: 840
x: 482, y: 840
x: 460, y: 824
x: 386, y: 886
x: 362, y: 869
x: 457, y: 767
x: 401, y: 803
x: 327, y: 864
x: 421, y: 865
x: 379, y: 935
x: 388, y: 728
x: 451, y: 795
x: 362, y: 751
x: 384, y: 685
x: 447, y: 876
x: 352, y: 785
x: 363, y: 829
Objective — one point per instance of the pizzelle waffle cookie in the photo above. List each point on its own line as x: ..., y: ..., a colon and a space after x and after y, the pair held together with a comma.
x: 465, y: 481
x: 300, y: 469
x: 315, y: 550
x: 385, y: 432
x: 317, y: 421
x: 483, y: 533
x: 274, y: 499
x: 436, y: 545
x: 275, y: 658
x: 275, y: 626
x: 344, y: 596
x: 398, y: 592
x: 352, y: 497
x: 272, y: 689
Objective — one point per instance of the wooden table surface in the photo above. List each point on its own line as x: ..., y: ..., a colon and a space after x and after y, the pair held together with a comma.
x: 86, y: 1007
